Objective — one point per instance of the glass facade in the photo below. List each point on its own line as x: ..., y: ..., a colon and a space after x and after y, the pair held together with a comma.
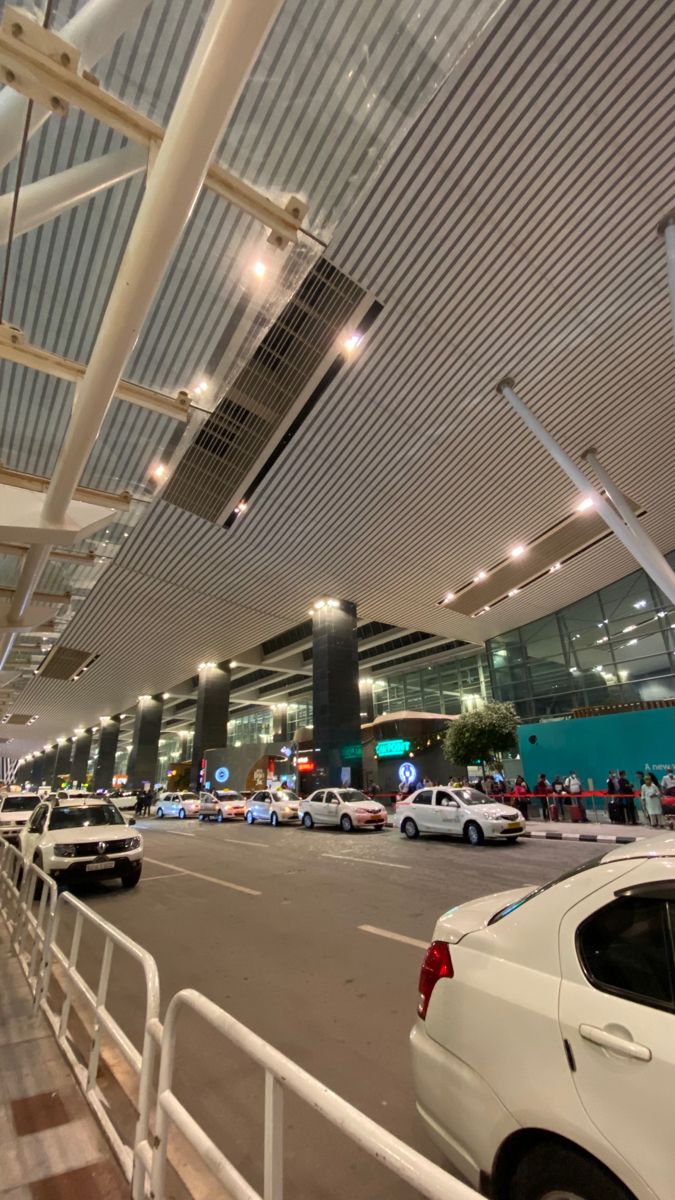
x: 250, y: 728
x: 614, y: 646
x: 450, y: 688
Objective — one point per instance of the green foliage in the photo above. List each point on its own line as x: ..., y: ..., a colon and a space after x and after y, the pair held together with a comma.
x: 480, y: 735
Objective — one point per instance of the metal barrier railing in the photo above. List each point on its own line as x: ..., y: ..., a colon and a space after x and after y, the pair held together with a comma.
x: 146, y: 1162
x: 280, y: 1074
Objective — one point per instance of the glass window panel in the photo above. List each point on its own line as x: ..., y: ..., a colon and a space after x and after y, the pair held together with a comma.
x: 628, y: 599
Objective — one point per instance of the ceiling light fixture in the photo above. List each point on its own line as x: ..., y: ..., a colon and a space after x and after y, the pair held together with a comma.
x: 632, y: 642
x: 159, y: 471
x: 448, y: 597
x: 587, y: 503
x: 205, y: 666
x: 201, y: 388
x: 554, y: 568
x: 350, y: 342
x: 629, y: 629
x: 145, y: 696
x: 514, y: 591
x: 481, y: 575
x: 259, y: 269
x: 103, y: 720
x: 517, y: 552
x: 640, y: 604
x: 166, y: 695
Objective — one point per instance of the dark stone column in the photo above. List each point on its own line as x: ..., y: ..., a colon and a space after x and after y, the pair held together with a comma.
x: 62, y: 763
x: 48, y: 765
x: 367, y: 705
x: 37, y: 768
x: 337, y: 721
x: 213, y: 708
x: 145, y: 742
x: 80, y: 757
x: 104, y: 768
x: 279, y: 722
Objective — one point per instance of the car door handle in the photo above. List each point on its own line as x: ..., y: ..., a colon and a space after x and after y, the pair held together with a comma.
x: 612, y: 1041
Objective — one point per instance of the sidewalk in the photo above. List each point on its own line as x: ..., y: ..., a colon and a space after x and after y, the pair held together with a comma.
x: 51, y: 1147
x: 590, y: 831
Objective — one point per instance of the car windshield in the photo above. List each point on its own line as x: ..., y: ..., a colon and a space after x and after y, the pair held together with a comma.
x: 351, y: 796
x: 286, y: 795
x: 188, y: 796
x: 20, y: 803
x: 473, y: 796
x: 84, y: 815
x: 229, y: 797
x: 587, y: 866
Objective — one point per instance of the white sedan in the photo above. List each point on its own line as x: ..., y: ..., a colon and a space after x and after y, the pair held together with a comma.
x: 543, y: 1053
x: 460, y: 812
x: 221, y: 806
x: 276, y: 806
x: 345, y: 807
x: 177, y: 804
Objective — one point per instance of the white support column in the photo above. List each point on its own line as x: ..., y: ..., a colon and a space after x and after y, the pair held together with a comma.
x: 45, y: 199
x: 639, y: 545
x: 667, y: 229
x: 94, y: 31
x: 224, y: 56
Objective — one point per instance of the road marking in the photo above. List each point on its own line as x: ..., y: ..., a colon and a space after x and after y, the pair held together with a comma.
x: 174, y: 832
x: 236, y: 887
x: 168, y: 875
x: 376, y: 862
x: 246, y: 845
x: 395, y: 937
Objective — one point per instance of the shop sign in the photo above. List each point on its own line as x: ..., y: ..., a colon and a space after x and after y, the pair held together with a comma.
x: 351, y: 752
x: 407, y: 773
x: 394, y: 748
x: 222, y: 775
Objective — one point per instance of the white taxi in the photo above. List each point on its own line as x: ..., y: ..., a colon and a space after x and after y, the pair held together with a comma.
x: 543, y: 1054
x: 71, y: 839
x: 276, y: 806
x: 459, y: 812
x: 15, y: 810
x: 221, y: 806
x: 177, y: 804
x: 345, y: 807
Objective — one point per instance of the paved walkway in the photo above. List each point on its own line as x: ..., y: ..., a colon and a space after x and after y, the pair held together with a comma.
x: 51, y: 1147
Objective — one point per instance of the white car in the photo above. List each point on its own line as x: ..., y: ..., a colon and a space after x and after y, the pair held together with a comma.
x: 275, y: 807
x: 543, y: 1054
x: 15, y: 810
x: 177, y: 804
x: 221, y: 806
x: 74, y: 839
x: 460, y: 812
x: 345, y: 807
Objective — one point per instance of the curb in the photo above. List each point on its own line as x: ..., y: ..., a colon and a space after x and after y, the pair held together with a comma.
x: 557, y: 835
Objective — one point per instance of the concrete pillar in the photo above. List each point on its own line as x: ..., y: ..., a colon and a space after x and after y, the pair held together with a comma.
x: 62, y: 762
x: 104, y: 769
x: 48, y: 764
x: 337, y: 708
x: 80, y: 759
x: 279, y: 722
x: 367, y: 703
x: 37, y: 767
x: 213, y: 708
x: 142, y: 764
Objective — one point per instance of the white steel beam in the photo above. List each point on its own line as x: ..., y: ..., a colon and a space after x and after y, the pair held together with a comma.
x: 227, y: 49
x: 31, y: 72
x: 40, y: 483
x: 93, y: 31
x: 45, y: 199
x: 667, y: 230
x: 14, y: 349
x: 640, y: 546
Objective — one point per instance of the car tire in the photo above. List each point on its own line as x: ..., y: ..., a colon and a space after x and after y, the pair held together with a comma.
x: 511, y: 840
x: 409, y: 828
x: 346, y: 823
x: 131, y: 876
x: 220, y: 818
x: 159, y: 813
x: 473, y: 834
x: 550, y: 1169
x: 307, y: 821
x: 181, y: 814
x: 274, y: 819
x: 250, y: 819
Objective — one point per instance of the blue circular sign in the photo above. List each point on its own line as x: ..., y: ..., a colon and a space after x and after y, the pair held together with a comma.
x: 222, y: 775
x: 407, y: 773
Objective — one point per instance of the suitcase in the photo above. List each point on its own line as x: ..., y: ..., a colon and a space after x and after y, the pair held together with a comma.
x: 553, y: 809
x: 576, y: 812
x: 616, y: 811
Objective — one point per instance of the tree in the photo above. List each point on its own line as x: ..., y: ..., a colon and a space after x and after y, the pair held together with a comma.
x: 479, y: 735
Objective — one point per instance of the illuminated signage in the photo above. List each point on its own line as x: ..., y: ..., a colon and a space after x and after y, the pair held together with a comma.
x: 351, y: 752
x: 407, y: 773
x: 222, y: 775
x: 305, y: 763
x: 394, y: 748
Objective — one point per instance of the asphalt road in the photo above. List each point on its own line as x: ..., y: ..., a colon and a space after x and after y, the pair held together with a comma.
x: 269, y: 923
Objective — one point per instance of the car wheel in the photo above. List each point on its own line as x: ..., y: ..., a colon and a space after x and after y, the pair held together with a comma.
x: 249, y: 818
x: 409, y: 828
x: 131, y: 876
x: 474, y: 835
x: 181, y: 814
x: 307, y: 821
x: 346, y: 823
x: 554, y: 1172
x: 511, y: 841
x: 220, y: 818
x: 159, y: 813
x: 274, y: 819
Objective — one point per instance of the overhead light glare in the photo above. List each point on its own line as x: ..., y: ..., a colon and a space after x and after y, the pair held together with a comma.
x: 103, y: 720
x: 640, y: 604
x: 587, y: 503
x: 448, y: 597
x: 205, y: 666
x: 481, y: 575
x: 518, y: 552
x: 166, y: 695
x: 554, y: 568
x: 159, y: 471
x: 629, y: 629
x: 259, y: 269
x: 661, y: 614
x: 632, y: 642
x: 350, y: 342
x: 201, y: 388
x: 514, y: 591
x: 145, y: 696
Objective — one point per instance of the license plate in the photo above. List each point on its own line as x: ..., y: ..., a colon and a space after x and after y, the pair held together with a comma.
x: 514, y: 825
x: 99, y: 866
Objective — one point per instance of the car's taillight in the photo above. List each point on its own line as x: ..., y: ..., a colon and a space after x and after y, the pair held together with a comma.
x: 437, y: 965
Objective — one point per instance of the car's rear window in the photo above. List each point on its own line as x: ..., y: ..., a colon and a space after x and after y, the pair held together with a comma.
x: 20, y: 803
x: 587, y: 866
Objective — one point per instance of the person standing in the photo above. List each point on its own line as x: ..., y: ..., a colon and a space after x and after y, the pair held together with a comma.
x: 543, y: 790
x: 651, y: 800
x: 628, y: 796
x: 668, y: 783
x: 521, y: 792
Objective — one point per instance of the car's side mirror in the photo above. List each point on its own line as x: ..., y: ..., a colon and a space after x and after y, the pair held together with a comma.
x: 132, y: 821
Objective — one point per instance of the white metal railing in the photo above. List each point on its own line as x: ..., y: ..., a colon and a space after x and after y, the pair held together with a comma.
x: 95, y: 1003
x: 145, y: 1164
x: 280, y: 1074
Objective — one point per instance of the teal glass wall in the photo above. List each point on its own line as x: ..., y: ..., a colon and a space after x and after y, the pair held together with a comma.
x: 614, y: 646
